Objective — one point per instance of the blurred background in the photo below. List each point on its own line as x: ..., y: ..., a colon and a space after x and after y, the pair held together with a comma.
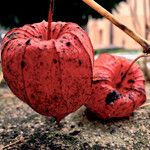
x: 17, y: 13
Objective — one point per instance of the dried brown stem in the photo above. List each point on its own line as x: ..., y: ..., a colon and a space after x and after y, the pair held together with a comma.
x: 132, y: 63
x: 20, y: 140
x: 145, y: 105
x: 6, y: 96
x: 1, y: 77
x: 144, y: 43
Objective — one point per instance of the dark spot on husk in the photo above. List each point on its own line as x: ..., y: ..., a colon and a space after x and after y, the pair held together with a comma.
x: 32, y: 96
x: 123, y: 77
x: 80, y: 62
x: 40, y: 36
x: 46, y: 110
x: 28, y: 42
x: 131, y: 81
x: 8, y: 67
x: 112, y: 96
x: 19, y: 44
x: 68, y: 44
x: 130, y: 73
x: 96, y: 81
x: 41, y: 63
x: 75, y: 37
x: 122, y: 74
x: 130, y: 97
x: 132, y: 88
x: 129, y: 89
x: 55, y: 97
x: 33, y: 26
x: 22, y: 64
x: 6, y: 44
x: 54, y: 61
x: 12, y: 35
x: 118, y: 85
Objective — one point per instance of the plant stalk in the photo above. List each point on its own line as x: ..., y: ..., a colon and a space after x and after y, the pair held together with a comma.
x: 143, y: 42
x: 132, y: 63
x: 50, y: 15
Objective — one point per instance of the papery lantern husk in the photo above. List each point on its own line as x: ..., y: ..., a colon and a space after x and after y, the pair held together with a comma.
x: 114, y: 94
x: 52, y: 76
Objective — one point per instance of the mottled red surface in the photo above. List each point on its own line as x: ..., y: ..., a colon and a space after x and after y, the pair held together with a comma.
x: 52, y: 76
x: 113, y: 95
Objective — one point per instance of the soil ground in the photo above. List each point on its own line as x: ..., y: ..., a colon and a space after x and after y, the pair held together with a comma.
x: 23, y: 129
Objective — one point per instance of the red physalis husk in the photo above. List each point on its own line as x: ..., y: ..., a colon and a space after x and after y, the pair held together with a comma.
x: 116, y: 93
x: 52, y: 76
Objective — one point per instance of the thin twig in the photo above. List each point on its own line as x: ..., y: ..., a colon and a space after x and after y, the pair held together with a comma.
x: 20, y: 140
x: 1, y: 77
x: 132, y: 63
x: 50, y: 15
x: 145, y: 105
x: 6, y: 96
x: 143, y: 42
